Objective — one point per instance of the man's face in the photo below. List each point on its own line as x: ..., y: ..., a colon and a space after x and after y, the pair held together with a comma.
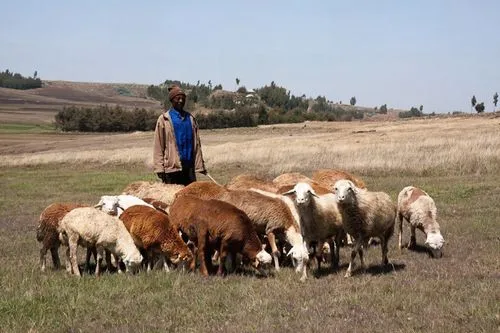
x: 178, y: 102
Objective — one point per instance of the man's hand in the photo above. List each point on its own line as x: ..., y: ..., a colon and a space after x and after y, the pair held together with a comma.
x: 161, y: 175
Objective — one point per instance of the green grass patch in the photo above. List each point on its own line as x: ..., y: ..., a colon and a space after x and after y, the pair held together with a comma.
x: 26, y: 128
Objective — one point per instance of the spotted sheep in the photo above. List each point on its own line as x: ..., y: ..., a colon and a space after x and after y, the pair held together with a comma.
x: 418, y: 208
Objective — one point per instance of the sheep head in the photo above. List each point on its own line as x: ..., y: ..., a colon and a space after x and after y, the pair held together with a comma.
x: 108, y: 204
x: 300, y: 256
x: 303, y: 193
x: 133, y: 261
x: 435, y: 243
x: 345, y: 191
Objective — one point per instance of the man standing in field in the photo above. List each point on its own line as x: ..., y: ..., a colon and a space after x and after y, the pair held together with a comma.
x: 177, y: 148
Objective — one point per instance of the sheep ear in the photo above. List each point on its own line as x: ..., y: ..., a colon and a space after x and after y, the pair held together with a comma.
x: 99, y: 205
x: 313, y: 193
x: 292, y: 191
x: 291, y: 252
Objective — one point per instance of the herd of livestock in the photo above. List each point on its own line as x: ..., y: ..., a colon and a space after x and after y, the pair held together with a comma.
x: 250, y: 222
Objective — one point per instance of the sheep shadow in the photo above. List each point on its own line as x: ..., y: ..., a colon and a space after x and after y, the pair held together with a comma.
x: 418, y: 248
x: 385, y: 269
x: 328, y: 270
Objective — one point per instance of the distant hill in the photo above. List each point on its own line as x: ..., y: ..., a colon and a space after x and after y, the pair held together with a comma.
x: 40, y: 105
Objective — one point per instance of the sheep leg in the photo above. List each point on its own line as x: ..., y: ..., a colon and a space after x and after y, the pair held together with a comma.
x: 107, y: 256
x: 202, y: 238
x: 90, y: 251
x: 355, y: 250
x: 73, y: 247
x: 68, y: 261
x: 54, y: 251
x: 335, y: 251
x: 413, y: 238
x: 383, y: 245
x: 400, y: 221
x: 99, y: 250
x: 271, y: 238
x: 43, y: 252
x: 222, y: 258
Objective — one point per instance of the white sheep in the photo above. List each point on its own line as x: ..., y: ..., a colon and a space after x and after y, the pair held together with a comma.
x: 320, y: 218
x: 116, y: 204
x: 365, y: 214
x: 89, y: 226
x: 419, y: 209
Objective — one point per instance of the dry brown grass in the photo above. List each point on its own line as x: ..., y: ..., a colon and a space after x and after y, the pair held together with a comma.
x: 449, y: 146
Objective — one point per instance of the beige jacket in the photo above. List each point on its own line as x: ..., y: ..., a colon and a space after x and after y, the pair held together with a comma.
x: 165, y: 153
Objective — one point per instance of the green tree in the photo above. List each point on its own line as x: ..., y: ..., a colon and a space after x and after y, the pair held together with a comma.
x: 495, y: 100
x: 383, y: 109
x: 353, y: 101
x: 421, y: 108
x: 237, y: 82
x: 473, y: 102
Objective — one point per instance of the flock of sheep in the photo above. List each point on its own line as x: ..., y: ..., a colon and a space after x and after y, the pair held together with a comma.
x: 216, y: 229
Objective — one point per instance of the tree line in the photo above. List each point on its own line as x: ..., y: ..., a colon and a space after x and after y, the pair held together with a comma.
x: 13, y: 80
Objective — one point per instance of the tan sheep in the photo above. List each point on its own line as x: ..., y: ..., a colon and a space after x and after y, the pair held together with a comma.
x: 291, y: 178
x: 365, y: 214
x: 419, y: 209
x: 158, y: 191
x: 249, y: 181
x: 88, y: 226
x: 47, y: 233
x: 328, y: 177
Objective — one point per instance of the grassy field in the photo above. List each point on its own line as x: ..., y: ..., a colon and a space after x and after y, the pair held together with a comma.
x: 457, y: 161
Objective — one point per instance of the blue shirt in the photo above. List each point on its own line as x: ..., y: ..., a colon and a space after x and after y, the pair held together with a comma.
x: 183, y: 132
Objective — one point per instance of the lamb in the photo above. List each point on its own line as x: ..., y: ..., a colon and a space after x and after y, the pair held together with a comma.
x: 47, y: 233
x: 116, y: 204
x: 212, y: 224
x: 269, y: 216
x: 419, y: 209
x: 152, y: 231
x: 153, y: 190
x: 89, y: 226
x: 249, y: 181
x: 365, y: 214
x: 328, y: 177
x: 320, y: 218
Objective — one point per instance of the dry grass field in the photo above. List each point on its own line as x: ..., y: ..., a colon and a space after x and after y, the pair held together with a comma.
x: 456, y: 160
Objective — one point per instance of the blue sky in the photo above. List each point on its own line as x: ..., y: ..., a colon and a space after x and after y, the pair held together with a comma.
x: 435, y: 53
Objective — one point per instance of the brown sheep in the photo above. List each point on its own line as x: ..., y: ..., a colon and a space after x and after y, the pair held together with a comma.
x: 47, y: 233
x: 153, y: 190
x: 249, y: 181
x: 152, y: 231
x: 328, y: 177
x: 213, y: 224
x: 291, y: 178
x: 269, y: 215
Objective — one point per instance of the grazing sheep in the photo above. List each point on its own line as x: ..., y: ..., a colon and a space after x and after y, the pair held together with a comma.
x: 47, y: 233
x: 88, y: 226
x: 419, y: 209
x: 269, y: 216
x: 152, y: 231
x: 365, y: 214
x: 214, y: 224
x: 291, y: 178
x: 116, y: 204
x: 320, y: 218
x: 328, y: 177
x: 153, y: 190
x: 249, y: 181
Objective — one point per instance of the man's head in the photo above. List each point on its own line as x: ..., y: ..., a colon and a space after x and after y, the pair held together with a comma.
x: 177, y: 97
